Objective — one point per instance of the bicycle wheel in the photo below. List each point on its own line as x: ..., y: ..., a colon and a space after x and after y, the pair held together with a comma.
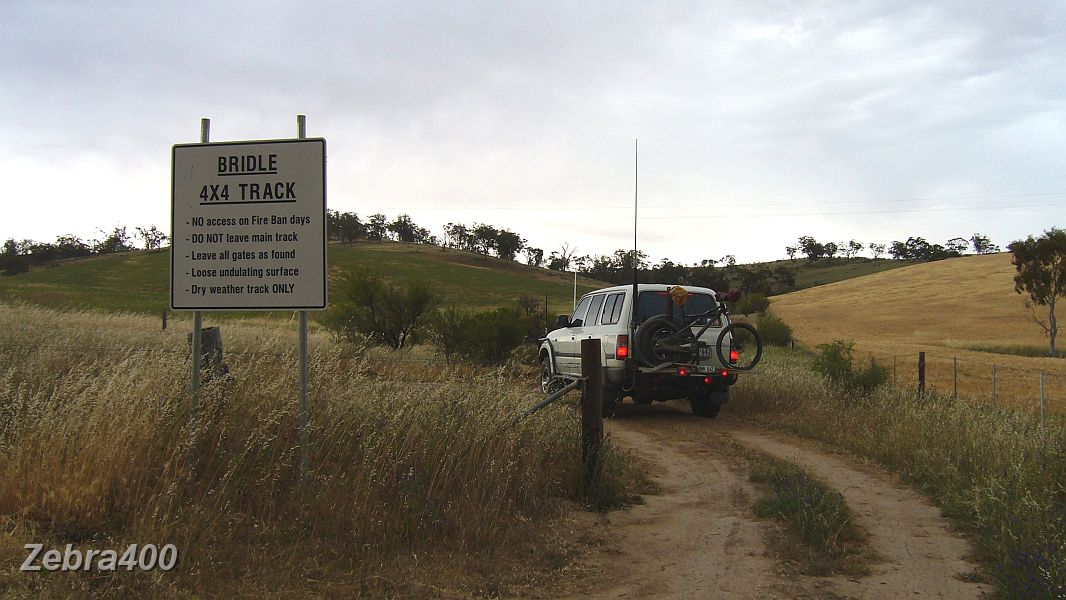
x: 660, y: 339
x: 743, y: 344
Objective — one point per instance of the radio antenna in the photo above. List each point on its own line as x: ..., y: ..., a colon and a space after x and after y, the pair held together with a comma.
x: 636, y: 171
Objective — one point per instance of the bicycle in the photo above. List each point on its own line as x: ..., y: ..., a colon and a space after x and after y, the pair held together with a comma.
x: 662, y: 341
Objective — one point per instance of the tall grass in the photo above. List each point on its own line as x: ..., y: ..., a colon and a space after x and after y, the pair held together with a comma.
x: 1000, y: 474
x: 407, y: 460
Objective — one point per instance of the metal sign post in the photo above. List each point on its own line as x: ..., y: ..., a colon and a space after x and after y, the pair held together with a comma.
x: 248, y: 231
x: 301, y: 133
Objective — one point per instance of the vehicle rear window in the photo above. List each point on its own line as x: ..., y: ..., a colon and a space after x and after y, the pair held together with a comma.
x: 655, y: 303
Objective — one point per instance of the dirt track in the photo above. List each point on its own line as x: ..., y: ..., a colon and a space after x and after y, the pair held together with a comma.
x: 698, y: 538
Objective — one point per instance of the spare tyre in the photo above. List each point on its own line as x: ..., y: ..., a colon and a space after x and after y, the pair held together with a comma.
x: 657, y: 341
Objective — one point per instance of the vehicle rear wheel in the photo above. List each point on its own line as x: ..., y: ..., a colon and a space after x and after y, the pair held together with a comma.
x: 612, y: 397
x: 705, y: 405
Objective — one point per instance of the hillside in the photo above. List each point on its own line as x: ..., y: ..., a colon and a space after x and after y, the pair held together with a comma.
x: 139, y: 281
x: 947, y: 309
x: 812, y: 273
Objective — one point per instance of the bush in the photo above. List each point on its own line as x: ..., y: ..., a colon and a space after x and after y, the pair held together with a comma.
x: 449, y: 329
x: 773, y: 330
x: 752, y: 303
x: 494, y: 334
x: 366, y: 306
x: 835, y: 362
x: 489, y: 336
x: 13, y: 264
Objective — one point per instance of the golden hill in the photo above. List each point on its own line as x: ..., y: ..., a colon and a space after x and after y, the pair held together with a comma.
x: 941, y: 308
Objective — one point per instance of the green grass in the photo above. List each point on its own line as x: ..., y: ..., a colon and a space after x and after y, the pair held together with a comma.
x: 139, y: 281
x: 999, y: 474
x: 815, y: 514
x: 820, y: 272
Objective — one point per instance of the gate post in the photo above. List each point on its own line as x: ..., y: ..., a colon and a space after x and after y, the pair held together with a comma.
x: 921, y: 375
x: 591, y: 408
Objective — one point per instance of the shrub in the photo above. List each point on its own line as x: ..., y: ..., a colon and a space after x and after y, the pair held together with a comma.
x: 368, y: 305
x: 13, y: 264
x: 489, y: 336
x: 752, y: 303
x: 449, y: 329
x: 494, y: 334
x: 835, y: 362
x: 773, y: 330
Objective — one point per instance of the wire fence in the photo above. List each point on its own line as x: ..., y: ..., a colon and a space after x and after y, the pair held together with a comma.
x: 1031, y: 389
x: 1034, y: 390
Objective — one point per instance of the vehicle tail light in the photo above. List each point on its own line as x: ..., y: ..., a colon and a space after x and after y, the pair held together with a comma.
x: 621, y: 350
x: 725, y: 373
x: 734, y: 356
x: 706, y: 381
x: 682, y: 372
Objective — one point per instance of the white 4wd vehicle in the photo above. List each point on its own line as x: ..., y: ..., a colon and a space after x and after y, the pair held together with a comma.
x: 678, y: 343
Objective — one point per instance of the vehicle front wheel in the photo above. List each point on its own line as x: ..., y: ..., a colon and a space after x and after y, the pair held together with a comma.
x: 548, y: 382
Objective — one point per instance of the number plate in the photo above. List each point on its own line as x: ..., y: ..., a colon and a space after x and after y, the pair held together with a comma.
x: 705, y: 368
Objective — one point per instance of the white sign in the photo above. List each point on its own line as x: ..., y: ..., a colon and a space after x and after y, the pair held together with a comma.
x: 248, y: 226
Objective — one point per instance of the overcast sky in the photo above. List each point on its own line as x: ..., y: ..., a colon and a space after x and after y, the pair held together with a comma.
x: 758, y: 121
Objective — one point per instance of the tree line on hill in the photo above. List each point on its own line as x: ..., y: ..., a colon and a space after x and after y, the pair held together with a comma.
x: 617, y: 267
x: 482, y: 238
x: 17, y: 256
x: 915, y: 248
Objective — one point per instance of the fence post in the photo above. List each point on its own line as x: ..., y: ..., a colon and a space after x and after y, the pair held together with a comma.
x: 893, y: 369
x: 164, y: 320
x: 1043, y: 400
x: 591, y: 408
x: 955, y: 373
x: 921, y: 375
x: 993, y: 384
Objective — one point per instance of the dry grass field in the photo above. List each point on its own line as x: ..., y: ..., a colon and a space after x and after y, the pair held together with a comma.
x: 420, y: 482
x: 942, y: 308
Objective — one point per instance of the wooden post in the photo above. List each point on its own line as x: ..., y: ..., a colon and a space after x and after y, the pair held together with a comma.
x: 921, y: 375
x: 212, y: 362
x: 164, y: 320
x: 955, y: 373
x: 1043, y: 400
x: 993, y: 384
x: 893, y: 369
x: 545, y: 315
x: 591, y: 408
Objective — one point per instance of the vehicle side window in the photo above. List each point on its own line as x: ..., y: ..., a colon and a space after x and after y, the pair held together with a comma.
x: 579, y: 313
x: 612, y: 309
x: 594, y: 308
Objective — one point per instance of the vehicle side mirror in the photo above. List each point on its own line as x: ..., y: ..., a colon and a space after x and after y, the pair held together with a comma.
x: 562, y: 321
